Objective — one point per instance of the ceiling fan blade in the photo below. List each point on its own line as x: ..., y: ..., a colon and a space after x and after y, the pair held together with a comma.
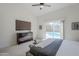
x: 36, y: 5
x: 47, y: 5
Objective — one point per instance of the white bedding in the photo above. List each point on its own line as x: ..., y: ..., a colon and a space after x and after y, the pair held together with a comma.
x: 44, y: 43
x: 68, y: 48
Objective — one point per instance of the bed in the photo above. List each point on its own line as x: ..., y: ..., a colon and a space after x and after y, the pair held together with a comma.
x: 56, y: 48
x: 66, y: 48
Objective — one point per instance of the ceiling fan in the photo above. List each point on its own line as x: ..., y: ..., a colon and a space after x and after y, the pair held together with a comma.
x: 42, y: 5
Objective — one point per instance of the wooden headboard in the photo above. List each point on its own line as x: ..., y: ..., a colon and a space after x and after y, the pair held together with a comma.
x: 23, y: 25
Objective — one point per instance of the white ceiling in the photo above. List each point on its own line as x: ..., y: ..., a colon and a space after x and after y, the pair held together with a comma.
x: 35, y: 10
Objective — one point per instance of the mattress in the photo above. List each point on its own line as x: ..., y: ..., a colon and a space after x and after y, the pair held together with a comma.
x: 67, y: 48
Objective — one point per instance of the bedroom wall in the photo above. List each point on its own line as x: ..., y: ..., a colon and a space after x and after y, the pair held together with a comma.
x: 68, y: 14
x: 8, y: 14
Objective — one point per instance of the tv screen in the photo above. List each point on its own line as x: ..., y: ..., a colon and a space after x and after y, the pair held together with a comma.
x: 23, y: 25
x: 24, y: 37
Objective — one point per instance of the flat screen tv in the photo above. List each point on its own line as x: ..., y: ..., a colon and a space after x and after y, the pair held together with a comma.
x: 23, y: 25
x: 24, y: 37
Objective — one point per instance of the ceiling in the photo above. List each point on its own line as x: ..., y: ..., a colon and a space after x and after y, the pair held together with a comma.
x: 35, y: 10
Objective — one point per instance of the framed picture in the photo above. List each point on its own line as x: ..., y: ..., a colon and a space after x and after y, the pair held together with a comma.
x: 22, y: 25
x: 75, y: 25
x: 40, y: 27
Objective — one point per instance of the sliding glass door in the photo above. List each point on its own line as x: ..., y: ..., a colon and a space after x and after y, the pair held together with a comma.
x: 54, y: 30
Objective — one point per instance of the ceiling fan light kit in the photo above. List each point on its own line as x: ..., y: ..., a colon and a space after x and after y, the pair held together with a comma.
x: 41, y: 7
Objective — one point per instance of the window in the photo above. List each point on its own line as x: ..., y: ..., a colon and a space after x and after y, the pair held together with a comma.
x: 54, y: 30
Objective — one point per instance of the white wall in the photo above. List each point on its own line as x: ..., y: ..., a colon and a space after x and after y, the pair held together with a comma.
x: 68, y: 14
x: 8, y: 14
